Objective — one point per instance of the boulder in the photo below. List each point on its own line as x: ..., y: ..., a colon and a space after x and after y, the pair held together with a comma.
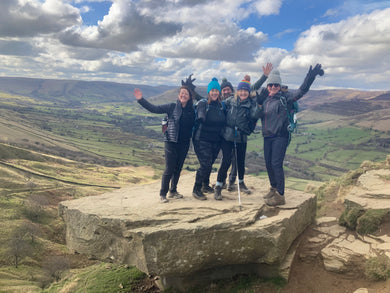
x: 186, y: 241
x: 372, y: 191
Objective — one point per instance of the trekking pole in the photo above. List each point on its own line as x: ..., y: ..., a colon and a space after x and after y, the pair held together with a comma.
x: 237, y: 179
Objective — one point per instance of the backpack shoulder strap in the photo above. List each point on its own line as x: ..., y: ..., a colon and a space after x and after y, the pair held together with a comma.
x: 223, y: 104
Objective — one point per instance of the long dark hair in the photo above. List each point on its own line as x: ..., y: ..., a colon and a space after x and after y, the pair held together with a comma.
x: 191, y: 100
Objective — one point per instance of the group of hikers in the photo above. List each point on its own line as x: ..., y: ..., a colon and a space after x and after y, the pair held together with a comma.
x: 223, y: 121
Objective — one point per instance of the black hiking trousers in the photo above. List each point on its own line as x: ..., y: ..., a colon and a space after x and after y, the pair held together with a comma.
x: 233, y: 170
x: 207, y: 153
x: 274, y: 153
x: 228, y: 147
x: 175, y: 154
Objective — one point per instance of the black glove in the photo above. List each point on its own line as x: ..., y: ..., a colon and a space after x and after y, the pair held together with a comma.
x: 260, y: 98
x: 317, y: 70
x: 189, y: 82
x: 310, y: 76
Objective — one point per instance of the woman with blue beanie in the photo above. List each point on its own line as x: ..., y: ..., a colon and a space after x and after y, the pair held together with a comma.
x: 207, y: 136
x: 242, y: 113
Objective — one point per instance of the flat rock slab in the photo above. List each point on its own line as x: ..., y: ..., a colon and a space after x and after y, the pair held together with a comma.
x: 372, y: 190
x: 187, y: 241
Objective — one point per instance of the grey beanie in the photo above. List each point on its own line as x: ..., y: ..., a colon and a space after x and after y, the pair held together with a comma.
x: 274, y: 77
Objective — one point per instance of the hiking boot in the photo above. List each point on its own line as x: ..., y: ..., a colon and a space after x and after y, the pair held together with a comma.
x: 163, y: 199
x: 231, y: 186
x: 217, y: 194
x: 243, y: 188
x: 270, y: 193
x: 207, y: 189
x: 276, y: 200
x: 197, y: 193
x: 174, y: 194
x: 224, y: 185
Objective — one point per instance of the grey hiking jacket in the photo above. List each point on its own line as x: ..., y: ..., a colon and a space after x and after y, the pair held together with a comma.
x: 238, y: 118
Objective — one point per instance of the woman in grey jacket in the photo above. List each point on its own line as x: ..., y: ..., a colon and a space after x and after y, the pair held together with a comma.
x: 242, y: 114
x: 275, y: 124
x: 181, y: 117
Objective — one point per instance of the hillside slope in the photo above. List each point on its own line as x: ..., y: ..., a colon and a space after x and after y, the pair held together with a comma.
x: 74, y: 92
x: 97, y: 122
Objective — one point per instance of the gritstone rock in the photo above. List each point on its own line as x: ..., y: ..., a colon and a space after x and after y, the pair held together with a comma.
x: 187, y: 241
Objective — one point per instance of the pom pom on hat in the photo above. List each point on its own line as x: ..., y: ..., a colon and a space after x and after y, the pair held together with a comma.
x: 245, y: 84
x: 226, y: 83
x: 213, y: 85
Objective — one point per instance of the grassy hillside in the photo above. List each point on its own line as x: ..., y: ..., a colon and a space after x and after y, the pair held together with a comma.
x: 75, y: 93
x: 32, y: 239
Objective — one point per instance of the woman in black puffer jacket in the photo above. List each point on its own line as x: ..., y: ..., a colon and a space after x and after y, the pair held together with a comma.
x: 181, y: 117
x: 211, y: 119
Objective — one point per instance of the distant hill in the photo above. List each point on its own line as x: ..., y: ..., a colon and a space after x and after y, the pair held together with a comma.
x: 101, y: 123
x: 73, y: 91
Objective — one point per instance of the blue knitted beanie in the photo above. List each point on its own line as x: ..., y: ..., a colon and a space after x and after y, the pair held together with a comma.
x: 213, y: 85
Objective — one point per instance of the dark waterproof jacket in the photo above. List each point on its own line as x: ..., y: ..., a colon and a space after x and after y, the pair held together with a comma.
x: 238, y: 118
x: 211, y: 120
x: 175, y: 114
x: 274, y: 118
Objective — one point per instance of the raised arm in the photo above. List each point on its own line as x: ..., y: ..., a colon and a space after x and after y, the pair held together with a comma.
x: 189, y: 83
x: 308, y: 81
x: 137, y: 94
x: 266, y: 71
x: 159, y: 109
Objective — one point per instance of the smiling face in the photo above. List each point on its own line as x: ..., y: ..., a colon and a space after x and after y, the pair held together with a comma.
x: 273, y: 88
x: 226, y: 92
x: 214, y: 94
x: 184, y: 97
x: 242, y: 94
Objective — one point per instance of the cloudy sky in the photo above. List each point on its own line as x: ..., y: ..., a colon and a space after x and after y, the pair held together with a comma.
x: 162, y: 41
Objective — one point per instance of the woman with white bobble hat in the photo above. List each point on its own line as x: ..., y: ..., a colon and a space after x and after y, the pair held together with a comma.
x: 275, y: 129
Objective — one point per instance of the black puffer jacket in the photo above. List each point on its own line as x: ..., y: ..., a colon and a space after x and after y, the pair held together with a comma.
x: 180, y: 120
x: 238, y: 118
x: 211, y: 121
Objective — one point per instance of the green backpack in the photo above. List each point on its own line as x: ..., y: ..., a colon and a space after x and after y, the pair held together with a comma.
x: 291, y: 115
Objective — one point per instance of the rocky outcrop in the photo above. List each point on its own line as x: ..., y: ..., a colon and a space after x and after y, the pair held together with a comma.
x: 187, y: 241
x: 372, y: 191
x: 341, y: 250
x: 344, y: 251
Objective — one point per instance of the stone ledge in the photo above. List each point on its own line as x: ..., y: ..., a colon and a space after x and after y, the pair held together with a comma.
x: 187, y: 241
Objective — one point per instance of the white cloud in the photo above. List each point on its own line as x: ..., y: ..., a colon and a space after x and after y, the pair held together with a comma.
x: 353, y: 48
x: 122, y: 29
x: 21, y: 18
x: 216, y: 43
x: 163, y: 41
x: 268, y: 7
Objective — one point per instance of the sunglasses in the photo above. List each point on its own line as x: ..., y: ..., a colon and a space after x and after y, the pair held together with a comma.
x: 273, y: 84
